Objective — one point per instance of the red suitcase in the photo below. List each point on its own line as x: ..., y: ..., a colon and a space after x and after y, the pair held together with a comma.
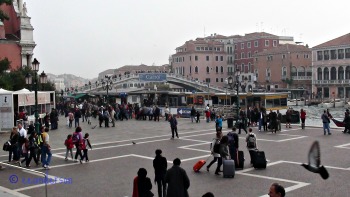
x: 199, y: 165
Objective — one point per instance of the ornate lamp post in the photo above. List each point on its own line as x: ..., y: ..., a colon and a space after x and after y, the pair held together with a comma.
x: 29, y: 81
x: 236, y: 84
x: 106, y: 84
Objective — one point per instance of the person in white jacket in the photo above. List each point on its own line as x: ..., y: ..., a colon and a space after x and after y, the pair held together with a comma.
x: 216, y: 155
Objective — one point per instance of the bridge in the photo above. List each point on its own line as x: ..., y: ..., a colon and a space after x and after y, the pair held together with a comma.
x: 132, y: 82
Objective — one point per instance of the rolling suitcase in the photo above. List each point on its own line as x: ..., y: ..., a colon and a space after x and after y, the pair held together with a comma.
x: 228, y: 168
x: 240, y: 160
x: 199, y: 165
x: 259, y: 159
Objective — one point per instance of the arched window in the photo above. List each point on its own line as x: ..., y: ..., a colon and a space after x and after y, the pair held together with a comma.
x: 222, y: 69
x: 319, y: 74
x: 207, y: 69
x: 347, y: 72
x: 340, y: 73
x: 216, y: 69
x: 333, y: 73
x: 284, y: 71
x: 326, y: 74
x: 249, y: 67
x: 301, y: 71
x: 196, y: 69
x: 268, y: 73
x: 190, y: 69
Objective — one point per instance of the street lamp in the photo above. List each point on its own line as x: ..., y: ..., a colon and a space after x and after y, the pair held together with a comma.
x: 106, y: 84
x: 29, y: 81
x: 226, y: 83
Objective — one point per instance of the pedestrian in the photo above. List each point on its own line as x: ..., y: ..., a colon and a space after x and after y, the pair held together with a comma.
x: 207, y: 115
x: 347, y: 122
x: 279, y: 119
x: 173, y: 126
x: 166, y: 113
x: 100, y: 118
x: 224, y: 154
x: 77, y: 139
x: 106, y: 117
x: 113, y: 114
x: 156, y: 113
x: 69, y: 146
x: 265, y: 120
x: 260, y: 116
x: 233, y: 143
x: 14, y: 146
x: 277, y: 190
x: 273, y: 121
x: 160, y: 166
x: 216, y: 154
x: 33, y: 149
x: 40, y: 143
x: 218, y: 122
x: 208, y: 194
x: 25, y: 152
x: 88, y: 116
x: 302, y: 117
x: 70, y: 119
x: 142, y: 184
x: 198, y: 117
x: 325, y: 121
x: 288, y: 118
x: 77, y: 116
x: 177, y: 180
x: 193, y: 114
x: 241, y: 122
x: 46, y: 150
x: 84, y: 144
x: 251, y: 144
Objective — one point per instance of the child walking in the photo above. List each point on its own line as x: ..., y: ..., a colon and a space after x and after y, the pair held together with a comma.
x: 86, y: 142
x: 69, y: 146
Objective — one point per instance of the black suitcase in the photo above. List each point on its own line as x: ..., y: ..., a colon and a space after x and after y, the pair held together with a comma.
x: 240, y: 160
x: 228, y: 168
x: 259, y: 160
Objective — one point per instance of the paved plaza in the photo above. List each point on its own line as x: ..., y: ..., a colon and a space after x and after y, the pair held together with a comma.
x: 115, y: 160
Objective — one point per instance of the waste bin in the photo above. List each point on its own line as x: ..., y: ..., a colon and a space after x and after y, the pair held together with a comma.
x: 229, y: 123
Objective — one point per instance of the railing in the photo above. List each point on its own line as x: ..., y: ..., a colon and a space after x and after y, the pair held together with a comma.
x: 342, y: 81
x: 301, y: 77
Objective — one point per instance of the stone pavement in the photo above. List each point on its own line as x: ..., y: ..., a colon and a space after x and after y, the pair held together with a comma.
x: 114, y: 161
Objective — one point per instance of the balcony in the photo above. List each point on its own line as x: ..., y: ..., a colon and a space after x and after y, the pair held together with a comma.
x: 301, y: 77
x: 331, y: 82
x: 267, y: 78
x: 283, y: 77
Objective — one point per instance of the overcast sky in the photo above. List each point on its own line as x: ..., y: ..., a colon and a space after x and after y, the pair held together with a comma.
x: 87, y: 37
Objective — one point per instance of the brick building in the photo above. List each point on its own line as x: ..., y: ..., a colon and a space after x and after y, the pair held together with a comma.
x: 16, y: 35
x: 284, y: 66
x: 331, y: 68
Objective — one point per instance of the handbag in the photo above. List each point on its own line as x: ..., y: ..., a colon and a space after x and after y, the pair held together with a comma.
x: 7, y: 146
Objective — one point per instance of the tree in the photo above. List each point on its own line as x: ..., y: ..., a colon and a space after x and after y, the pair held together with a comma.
x: 4, y: 65
x: 3, y: 16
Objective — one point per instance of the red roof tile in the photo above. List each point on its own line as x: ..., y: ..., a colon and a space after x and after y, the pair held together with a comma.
x: 342, y: 40
x: 284, y: 49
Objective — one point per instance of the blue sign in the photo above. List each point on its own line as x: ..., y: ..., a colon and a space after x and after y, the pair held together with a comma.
x: 184, y: 112
x: 152, y: 76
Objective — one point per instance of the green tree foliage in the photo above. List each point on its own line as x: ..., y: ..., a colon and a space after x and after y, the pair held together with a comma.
x: 3, y: 16
x: 15, y: 80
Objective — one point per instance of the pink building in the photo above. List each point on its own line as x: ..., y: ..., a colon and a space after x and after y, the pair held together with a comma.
x: 202, y: 60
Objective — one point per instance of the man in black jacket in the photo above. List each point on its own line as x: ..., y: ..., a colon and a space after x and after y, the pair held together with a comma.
x: 160, y: 166
x: 177, y: 180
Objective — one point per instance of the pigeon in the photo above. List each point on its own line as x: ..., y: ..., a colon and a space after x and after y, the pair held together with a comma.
x: 315, y: 161
x: 133, y: 142
x: 94, y: 127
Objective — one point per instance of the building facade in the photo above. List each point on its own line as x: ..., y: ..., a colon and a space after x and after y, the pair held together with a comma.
x: 284, y: 66
x: 331, y: 68
x: 16, y: 35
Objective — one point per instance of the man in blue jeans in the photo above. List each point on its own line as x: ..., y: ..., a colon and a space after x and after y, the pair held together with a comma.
x: 46, y: 150
x: 325, y: 121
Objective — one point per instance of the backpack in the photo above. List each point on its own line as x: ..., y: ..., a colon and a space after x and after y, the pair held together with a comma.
x: 251, y: 141
x: 75, y: 138
x: 216, y: 148
x: 231, y: 139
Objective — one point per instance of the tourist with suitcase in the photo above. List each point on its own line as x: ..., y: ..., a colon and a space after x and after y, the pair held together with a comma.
x: 228, y: 165
x: 251, y: 144
x: 215, y: 149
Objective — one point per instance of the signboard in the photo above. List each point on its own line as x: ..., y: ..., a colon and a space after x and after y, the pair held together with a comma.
x: 184, y: 112
x: 198, y: 100
x: 152, y: 76
x: 6, y: 116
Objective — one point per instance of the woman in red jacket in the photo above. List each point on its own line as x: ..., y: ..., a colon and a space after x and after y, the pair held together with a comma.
x: 302, y: 117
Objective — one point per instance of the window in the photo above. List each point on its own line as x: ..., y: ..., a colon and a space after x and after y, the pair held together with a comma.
x: 333, y: 54
x: 242, y: 68
x: 216, y: 69
x: 210, y: 48
x: 222, y: 69
x: 196, y: 58
x: 208, y: 69
x: 235, y: 46
x: 207, y: 58
x: 242, y: 55
x: 340, y: 53
x: 249, y: 55
x: 275, y: 43
x: 190, y: 58
x: 249, y: 66
x: 347, y: 53
x: 196, y: 69
x: 319, y: 55
x: 217, y: 79
x: 202, y: 48
x: 256, y: 59
x: 207, y: 80
x: 190, y: 69
x: 222, y: 79
x: 283, y: 56
x: 236, y: 56
x: 326, y: 55
x: 198, y: 48
x: 216, y: 58
x: 221, y: 58
x: 242, y: 45
x: 249, y: 44
x: 206, y: 48
x: 306, y: 56
x: 297, y: 56
x: 267, y: 43
x: 256, y: 43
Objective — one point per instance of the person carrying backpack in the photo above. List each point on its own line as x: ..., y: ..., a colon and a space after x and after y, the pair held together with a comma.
x: 77, y: 138
x: 215, y: 149
x: 233, y: 142
x: 251, y: 143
